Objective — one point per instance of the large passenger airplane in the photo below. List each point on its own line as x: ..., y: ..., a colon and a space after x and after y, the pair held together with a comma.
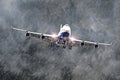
x: 62, y: 39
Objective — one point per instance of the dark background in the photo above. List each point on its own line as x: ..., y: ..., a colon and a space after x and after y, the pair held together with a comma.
x: 22, y: 58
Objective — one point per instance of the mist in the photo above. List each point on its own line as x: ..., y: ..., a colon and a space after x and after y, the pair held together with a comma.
x: 23, y: 58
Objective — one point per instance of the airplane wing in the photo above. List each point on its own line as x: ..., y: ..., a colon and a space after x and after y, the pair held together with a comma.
x: 77, y: 42
x: 50, y: 37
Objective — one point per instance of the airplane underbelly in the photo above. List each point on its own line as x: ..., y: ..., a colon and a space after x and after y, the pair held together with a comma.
x: 63, y: 35
x: 63, y: 38
x: 63, y: 41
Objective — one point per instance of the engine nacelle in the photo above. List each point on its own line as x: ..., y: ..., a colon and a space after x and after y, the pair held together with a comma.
x: 43, y: 37
x: 82, y: 44
x: 27, y: 34
x: 96, y: 46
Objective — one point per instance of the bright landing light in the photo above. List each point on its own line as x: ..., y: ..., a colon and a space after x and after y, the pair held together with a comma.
x: 72, y: 39
x: 54, y: 35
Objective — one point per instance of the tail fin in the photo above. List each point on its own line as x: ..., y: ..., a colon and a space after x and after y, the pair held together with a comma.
x: 60, y: 26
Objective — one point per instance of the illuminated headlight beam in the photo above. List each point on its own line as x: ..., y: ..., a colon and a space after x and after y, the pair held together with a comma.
x: 54, y: 35
x: 72, y: 39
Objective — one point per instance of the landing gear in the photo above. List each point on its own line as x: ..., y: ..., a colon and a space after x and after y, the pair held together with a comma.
x: 51, y: 44
x: 64, y: 46
x: 70, y: 47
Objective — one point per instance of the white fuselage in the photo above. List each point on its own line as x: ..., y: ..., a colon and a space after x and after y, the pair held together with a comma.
x: 64, y: 35
x: 65, y: 31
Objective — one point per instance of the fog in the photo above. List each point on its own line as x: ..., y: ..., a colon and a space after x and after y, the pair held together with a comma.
x: 23, y: 58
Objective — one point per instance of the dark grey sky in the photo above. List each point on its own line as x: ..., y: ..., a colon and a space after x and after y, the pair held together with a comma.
x: 23, y: 58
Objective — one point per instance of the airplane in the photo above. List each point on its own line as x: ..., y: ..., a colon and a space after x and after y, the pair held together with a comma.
x: 62, y: 39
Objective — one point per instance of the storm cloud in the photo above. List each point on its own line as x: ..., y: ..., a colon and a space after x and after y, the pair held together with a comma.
x: 23, y: 58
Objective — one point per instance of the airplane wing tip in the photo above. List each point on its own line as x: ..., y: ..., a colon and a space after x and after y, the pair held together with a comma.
x: 110, y: 43
x: 105, y: 44
x: 18, y: 29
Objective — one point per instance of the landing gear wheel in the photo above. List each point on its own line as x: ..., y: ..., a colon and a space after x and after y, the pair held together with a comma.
x: 64, y: 47
x: 51, y: 44
x: 70, y: 47
x: 57, y: 46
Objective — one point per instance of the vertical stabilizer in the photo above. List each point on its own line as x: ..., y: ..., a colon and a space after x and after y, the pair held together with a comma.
x: 60, y: 26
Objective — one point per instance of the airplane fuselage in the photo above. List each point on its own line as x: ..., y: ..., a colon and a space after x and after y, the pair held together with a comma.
x: 65, y: 31
x: 64, y: 35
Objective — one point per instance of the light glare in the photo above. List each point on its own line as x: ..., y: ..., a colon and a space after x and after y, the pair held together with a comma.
x: 72, y: 38
x: 54, y: 35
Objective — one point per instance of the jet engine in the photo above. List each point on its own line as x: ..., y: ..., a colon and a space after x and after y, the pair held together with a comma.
x: 82, y: 44
x: 27, y: 34
x: 96, y: 46
x: 43, y: 37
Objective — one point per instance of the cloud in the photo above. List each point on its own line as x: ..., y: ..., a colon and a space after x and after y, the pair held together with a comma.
x: 26, y: 58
